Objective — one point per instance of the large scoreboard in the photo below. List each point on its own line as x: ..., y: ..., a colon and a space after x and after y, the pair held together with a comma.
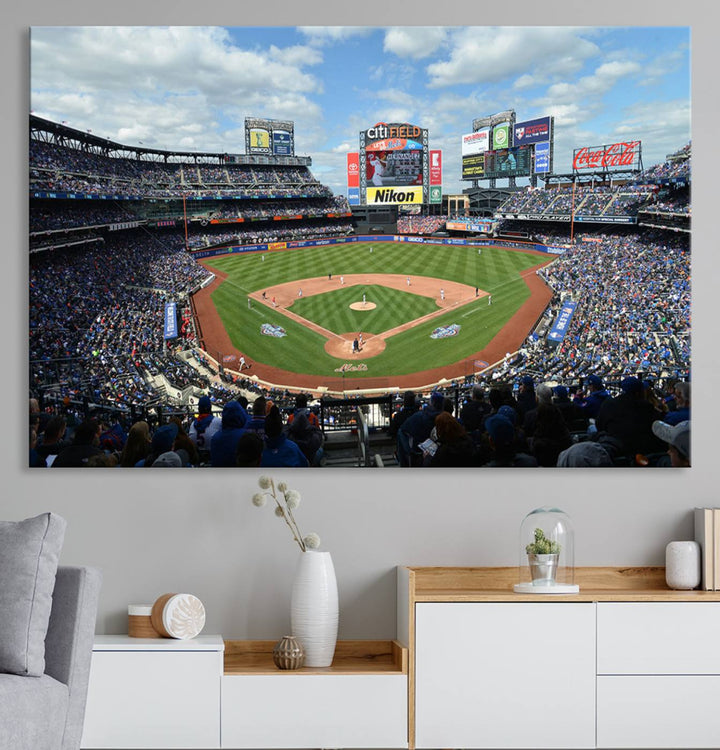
x: 269, y: 137
x: 501, y: 147
x: 394, y: 166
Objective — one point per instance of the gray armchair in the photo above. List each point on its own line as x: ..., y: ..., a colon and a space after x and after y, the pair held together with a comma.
x: 47, y: 712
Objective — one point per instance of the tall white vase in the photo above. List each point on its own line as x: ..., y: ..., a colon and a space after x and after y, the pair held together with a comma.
x: 314, y: 607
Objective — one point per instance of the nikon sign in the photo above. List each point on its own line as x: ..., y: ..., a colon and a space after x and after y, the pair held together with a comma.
x: 390, y: 195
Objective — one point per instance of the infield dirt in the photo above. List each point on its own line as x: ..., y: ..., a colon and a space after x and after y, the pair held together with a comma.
x: 509, y: 339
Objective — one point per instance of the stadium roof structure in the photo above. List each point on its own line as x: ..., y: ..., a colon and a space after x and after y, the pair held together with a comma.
x: 62, y: 134
x: 598, y: 176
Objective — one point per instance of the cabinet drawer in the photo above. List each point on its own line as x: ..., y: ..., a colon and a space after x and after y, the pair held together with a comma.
x: 299, y: 711
x: 157, y: 699
x: 658, y: 638
x: 658, y: 711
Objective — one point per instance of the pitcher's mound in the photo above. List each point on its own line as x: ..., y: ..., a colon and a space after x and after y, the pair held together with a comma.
x: 363, y: 306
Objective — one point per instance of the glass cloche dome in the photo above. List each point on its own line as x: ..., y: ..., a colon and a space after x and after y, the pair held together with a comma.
x: 546, y: 553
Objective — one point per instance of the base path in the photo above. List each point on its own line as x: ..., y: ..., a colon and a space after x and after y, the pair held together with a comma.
x: 217, y: 342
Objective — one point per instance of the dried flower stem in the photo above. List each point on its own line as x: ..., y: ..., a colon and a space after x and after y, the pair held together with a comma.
x: 285, y: 501
x: 288, y: 516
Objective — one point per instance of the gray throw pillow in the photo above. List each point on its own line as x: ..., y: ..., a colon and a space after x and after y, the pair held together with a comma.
x: 29, y: 553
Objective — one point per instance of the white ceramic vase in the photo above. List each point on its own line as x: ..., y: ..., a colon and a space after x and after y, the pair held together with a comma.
x: 682, y: 565
x: 314, y: 607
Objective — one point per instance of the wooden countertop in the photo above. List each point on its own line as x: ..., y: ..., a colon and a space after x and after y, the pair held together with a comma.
x: 631, y: 584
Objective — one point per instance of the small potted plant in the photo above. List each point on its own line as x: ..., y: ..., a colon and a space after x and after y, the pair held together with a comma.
x: 543, y: 555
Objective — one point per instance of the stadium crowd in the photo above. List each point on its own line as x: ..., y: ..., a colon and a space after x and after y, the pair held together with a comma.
x: 96, y: 328
x: 420, y: 224
x: 243, y: 433
x: 58, y: 168
x: 636, y: 424
x: 219, y: 235
x: 598, y: 200
x: 633, y: 308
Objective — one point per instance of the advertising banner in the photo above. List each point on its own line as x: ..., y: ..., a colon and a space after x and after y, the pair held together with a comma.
x: 476, y: 143
x: 394, y: 144
x: 532, y: 131
x: 392, y: 196
x: 435, y: 194
x: 353, y: 169
x: 473, y: 167
x: 609, y: 219
x: 623, y: 155
x: 470, y: 226
x: 170, y: 328
x: 259, y: 141
x: 282, y: 143
x: 394, y: 168
x: 436, y: 167
x: 501, y: 136
x: 542, y: 157
x: 354, y: 196
x: 562, y: 322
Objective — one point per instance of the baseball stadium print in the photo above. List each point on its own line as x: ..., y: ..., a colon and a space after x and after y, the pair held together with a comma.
x: 243, y: 287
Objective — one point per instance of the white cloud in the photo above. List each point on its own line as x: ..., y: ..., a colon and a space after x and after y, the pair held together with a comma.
x: 415, y: 42
x: 160, y: 80
x: 662, y: 126
x: 525, y: 82
x: 296, y: 56
x: 663, y: 65
x: 492, y: 54
x: 319, y: 35
x: 597, y: 84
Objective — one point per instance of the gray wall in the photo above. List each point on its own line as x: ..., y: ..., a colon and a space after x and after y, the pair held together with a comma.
x: 196, y: 531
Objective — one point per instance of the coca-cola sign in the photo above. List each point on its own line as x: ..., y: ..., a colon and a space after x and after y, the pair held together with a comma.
x: 622, y: 155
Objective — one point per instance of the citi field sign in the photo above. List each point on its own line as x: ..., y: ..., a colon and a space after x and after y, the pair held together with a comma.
x: 383, y: 130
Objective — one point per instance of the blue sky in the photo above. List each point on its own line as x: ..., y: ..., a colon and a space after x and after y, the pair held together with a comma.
x: 191, y: 87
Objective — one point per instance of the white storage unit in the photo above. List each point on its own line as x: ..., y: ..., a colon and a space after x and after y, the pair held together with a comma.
x: 496, y: 675
x: 658, y: 675
x: 154, y: 693
x: 624, y: 663
x: 295, y: 710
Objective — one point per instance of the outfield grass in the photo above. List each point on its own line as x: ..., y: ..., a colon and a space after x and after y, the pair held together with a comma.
x: 494, y: 270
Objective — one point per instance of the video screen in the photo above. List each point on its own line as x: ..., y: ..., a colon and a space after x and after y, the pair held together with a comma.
x: 394, y: 168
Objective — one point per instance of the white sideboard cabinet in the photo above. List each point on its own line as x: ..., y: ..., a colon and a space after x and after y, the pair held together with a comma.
x: 625, y: 663
x: 154, y: 693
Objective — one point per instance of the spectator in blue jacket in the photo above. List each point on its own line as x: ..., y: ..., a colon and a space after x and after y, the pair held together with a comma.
x: 279, y: 450
x: 416, y: 429
x: 223, y: 446
x: 681, y: 412
x: 589, y: 405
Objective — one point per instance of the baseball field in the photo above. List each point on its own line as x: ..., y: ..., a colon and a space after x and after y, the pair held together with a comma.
x: 372, y: 313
